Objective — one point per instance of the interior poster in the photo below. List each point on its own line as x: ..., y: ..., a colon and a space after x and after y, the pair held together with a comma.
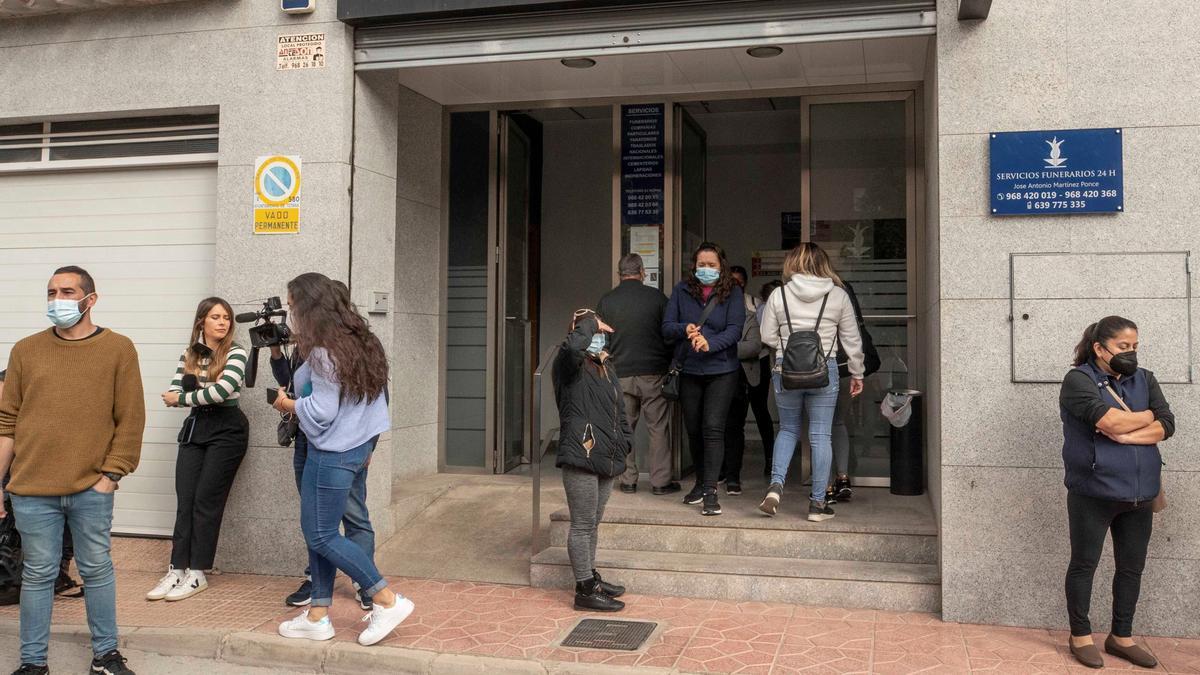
x: 643, y: 240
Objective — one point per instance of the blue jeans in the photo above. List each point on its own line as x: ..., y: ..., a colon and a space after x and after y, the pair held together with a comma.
x: 819, y: 404
x: 356, y: 523
x: 325, y: 488
x: 40, y: 521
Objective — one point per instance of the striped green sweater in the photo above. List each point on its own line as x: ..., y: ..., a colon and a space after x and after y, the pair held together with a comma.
x: 225, y: 391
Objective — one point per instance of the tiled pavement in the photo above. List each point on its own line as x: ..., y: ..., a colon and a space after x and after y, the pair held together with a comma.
x: 697, y: 635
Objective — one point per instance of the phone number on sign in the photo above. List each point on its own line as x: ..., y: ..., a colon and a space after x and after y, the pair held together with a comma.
x: 1067, y: 194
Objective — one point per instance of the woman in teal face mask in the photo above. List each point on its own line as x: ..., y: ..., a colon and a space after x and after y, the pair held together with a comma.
x: 705, y: 317
x: 592, y: 445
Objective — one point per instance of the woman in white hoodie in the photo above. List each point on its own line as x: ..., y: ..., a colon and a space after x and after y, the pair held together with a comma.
x: 810, y: 283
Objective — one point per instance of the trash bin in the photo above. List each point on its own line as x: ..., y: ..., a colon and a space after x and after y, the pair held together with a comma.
x: 902, y: 408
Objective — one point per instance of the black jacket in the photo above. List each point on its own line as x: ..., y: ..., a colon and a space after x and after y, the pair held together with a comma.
x: 594, y: 433
x: 635, y: 311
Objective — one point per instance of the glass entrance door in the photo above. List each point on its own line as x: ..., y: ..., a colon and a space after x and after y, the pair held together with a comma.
x: 858, y: 152
x: 514, y: 364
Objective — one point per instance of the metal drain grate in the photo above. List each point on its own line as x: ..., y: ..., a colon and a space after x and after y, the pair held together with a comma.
x: 605, y: 634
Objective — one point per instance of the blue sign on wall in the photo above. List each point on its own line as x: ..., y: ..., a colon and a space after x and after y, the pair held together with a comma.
x: 643, y: 157
x: 1065, y: 171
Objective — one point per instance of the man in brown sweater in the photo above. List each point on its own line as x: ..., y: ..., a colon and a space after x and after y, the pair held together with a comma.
x: 71, y: 422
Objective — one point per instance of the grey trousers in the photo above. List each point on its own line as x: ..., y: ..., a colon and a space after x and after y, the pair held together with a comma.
x: 644, y: 400
x: 587, y: 494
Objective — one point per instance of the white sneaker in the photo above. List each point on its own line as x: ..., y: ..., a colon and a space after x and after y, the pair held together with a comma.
x: 383, y: 620
x: 165, y: 585
x: 301, y: 628
x: 193, y: 582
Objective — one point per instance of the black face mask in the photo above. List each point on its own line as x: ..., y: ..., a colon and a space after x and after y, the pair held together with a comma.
x: 1124, y: 363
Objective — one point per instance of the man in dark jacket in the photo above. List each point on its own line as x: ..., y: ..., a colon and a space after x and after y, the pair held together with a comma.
x: 642, y: 358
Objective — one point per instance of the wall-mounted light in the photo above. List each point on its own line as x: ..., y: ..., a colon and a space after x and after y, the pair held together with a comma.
x: 578, y: 62
x: 768, y: 52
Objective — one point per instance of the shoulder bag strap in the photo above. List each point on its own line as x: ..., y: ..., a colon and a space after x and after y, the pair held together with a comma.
x: 1112, y: 392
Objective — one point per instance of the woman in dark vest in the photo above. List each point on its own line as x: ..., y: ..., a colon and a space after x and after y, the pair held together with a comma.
x: 1114, y: 415
x: 592, y: 445
x: 707, y: 348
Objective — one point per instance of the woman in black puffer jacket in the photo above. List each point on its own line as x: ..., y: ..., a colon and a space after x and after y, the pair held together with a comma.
x: 591, y: 449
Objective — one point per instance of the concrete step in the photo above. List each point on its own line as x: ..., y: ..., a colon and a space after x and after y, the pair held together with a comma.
x: 876, y: 526
x: 841, y: 583
x: 742, y: 540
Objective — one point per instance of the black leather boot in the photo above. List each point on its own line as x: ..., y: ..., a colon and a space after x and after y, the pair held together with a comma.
x: 589, y: 598
x: 611, y: 590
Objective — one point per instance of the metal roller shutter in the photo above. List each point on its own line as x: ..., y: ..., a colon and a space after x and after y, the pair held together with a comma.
x: 147, y: 235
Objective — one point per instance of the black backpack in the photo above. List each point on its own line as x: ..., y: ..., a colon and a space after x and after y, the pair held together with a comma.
x: 805, y: 363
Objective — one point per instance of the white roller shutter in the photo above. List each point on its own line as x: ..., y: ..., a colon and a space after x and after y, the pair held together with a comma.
x: 147, y: 235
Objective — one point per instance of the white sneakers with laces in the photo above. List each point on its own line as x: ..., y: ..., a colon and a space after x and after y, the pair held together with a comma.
x: 383, y: 620
x: 192, y: 583
x: 165, y: 585
x: 301, y: 628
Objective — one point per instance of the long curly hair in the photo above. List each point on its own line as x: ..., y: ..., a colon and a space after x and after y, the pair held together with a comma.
x: 724, y: 286
x: 220, y: 351
x: 326, y: 318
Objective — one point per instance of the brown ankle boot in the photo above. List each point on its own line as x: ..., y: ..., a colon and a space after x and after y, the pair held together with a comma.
x: 1135, y: 654
x: 1088, y: 655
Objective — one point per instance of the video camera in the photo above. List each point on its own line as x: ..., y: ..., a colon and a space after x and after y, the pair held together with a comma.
x: 265, y: 332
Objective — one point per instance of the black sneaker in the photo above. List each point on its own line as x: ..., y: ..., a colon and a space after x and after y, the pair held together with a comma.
x: 611, y: 590
x: 733, y: 486
x: 843, y: 491
x: 770, y: 503
x: 668, y: 489
x: 365, y: 602
x: 302, y: 596
x: 111, y: 663
x: 629, y: 489
x: 695, y: 496
x: 818, y: 511
x: 589, y: 598
x: 711, y: 506
x: 830, y: 497
x: 30, y: 669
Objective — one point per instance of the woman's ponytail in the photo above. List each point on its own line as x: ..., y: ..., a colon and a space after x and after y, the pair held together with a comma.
x: 1083, y: 350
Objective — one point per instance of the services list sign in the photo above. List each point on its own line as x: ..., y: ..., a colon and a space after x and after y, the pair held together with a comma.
x: 643, y: 156
x: 1065, y: 171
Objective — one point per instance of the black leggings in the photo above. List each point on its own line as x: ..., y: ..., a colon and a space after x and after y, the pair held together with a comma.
x: 705, y: 400
x: 1090, y: 520
x: 204, y: 474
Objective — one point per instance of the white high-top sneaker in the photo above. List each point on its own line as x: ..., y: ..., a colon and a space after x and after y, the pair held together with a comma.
x: 193, y: 582
x: 165, y: 585
x: 300, y: 627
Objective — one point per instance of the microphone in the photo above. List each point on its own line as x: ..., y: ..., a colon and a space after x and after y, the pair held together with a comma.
x: 246, y: 317
x: 190, y: 383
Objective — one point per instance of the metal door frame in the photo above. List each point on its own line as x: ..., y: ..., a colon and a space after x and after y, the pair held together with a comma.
x: 497, y: 460
x: 913, y: 172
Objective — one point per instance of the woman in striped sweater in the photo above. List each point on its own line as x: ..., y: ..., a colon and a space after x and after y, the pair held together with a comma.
x: 212, y: 444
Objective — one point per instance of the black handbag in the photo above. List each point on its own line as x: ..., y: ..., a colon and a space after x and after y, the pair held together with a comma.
x: 11, y: 558
x: 670, y: 388
x: 805, y: 363
x: 871, y: 361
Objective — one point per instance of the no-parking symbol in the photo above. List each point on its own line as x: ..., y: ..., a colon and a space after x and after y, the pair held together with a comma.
x: 277, y: 195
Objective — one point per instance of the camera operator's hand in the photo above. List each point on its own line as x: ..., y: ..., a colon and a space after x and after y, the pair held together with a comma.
x: 282, y: 403
x: 171, y: 399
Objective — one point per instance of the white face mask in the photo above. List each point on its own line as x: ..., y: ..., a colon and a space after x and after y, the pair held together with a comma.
x: 65, y: 313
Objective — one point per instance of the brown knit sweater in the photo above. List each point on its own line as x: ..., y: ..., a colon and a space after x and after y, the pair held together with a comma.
x: 74, y: 410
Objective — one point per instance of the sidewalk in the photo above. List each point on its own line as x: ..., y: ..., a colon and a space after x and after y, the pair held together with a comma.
x: 491, y: 628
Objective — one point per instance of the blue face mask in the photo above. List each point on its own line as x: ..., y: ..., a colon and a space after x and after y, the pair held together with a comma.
x: 708, y: 275
x: 64, y: 313
x: 599, y: 340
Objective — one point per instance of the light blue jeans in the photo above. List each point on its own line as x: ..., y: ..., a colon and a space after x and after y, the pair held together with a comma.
x: 819, y: 405
x: 325, y: 488
x: 40, y: 521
